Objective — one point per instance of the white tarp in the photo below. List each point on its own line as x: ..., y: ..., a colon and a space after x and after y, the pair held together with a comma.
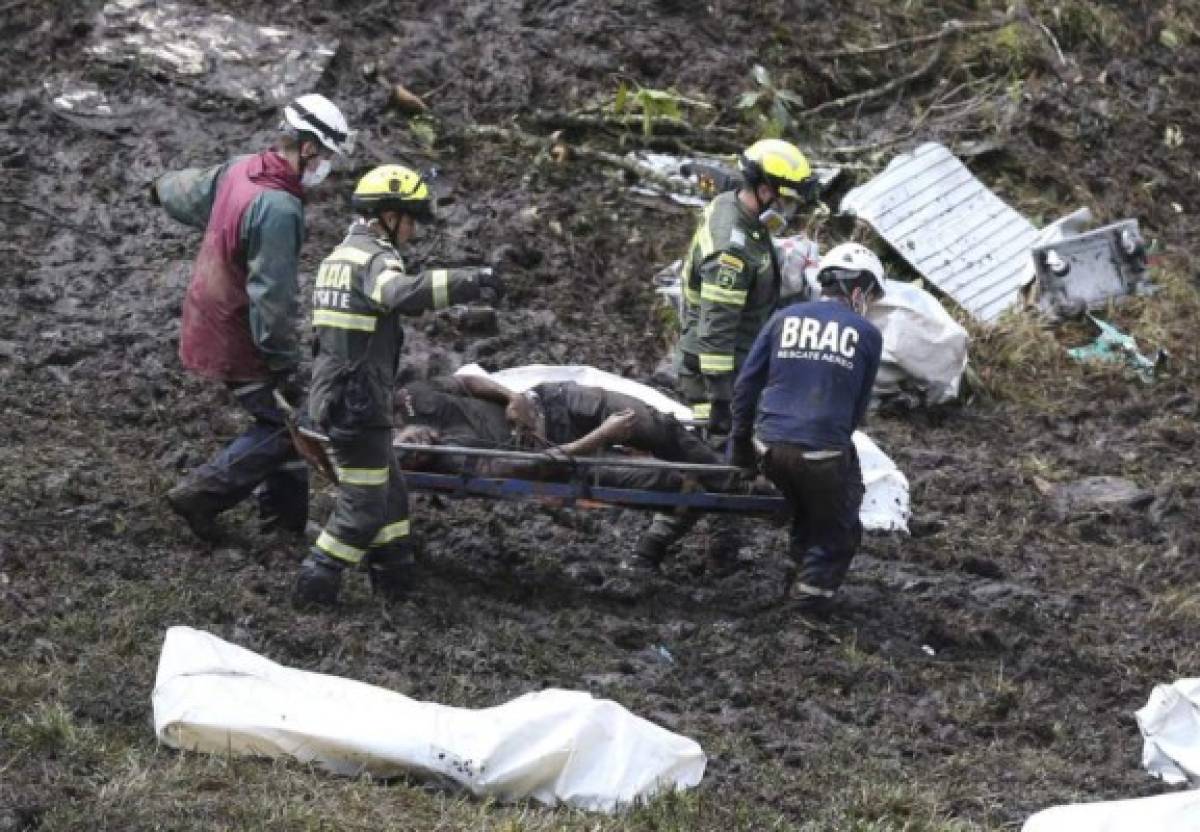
x: 1170, y: 726
x: 953, y: 230
x: 799, y: 258
x: 1176, y: 812
x: 885, y: 506
x: 556, y: 746
x: 921, y: 341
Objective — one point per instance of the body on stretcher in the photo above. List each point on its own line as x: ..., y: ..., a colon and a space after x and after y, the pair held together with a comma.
x: 578, y: 485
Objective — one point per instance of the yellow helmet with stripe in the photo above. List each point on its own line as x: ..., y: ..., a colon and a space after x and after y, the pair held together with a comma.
x: 781, y: 165
x: 393, y: 188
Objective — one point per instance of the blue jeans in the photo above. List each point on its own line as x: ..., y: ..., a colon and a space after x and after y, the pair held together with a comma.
x: 825, y: 496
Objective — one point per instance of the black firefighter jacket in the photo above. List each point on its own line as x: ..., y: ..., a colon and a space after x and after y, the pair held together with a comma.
x: 361, y: 290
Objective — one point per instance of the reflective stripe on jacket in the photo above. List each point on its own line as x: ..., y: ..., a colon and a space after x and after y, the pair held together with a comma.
x: 359, y: 289
x: 730, y: 288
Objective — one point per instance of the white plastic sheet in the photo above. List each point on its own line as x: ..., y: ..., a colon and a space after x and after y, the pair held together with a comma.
x: 1176, y: 812
x: 921, y: 341
x: 799, y: 258
x: 1170, y: 726
x: 885, y: 506
x: 555, y: 746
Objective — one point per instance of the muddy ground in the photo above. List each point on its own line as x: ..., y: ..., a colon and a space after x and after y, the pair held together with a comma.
x: 978, y: 670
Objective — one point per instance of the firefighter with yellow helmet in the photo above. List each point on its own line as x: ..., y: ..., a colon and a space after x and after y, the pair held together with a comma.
x: 731, y: 277
x: 361, y: 289
x: 731, y: 285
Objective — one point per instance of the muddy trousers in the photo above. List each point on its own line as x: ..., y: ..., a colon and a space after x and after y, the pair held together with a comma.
x: 262, y: 458
x: 370, y: 516
x: 825, y: 496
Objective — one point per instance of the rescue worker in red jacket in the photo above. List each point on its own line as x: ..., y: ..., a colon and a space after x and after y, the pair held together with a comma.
x: 238, y: 316
x: 362, y: 288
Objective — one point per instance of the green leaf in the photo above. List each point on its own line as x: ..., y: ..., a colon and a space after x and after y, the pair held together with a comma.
x: 622, y: 98
x: 1168, y: 39
x: 656, y: 103
x: 748, y: 100
x: 789, y: 97
x: 781, y: 117
x: 761, y: 75
x: 423, y: 131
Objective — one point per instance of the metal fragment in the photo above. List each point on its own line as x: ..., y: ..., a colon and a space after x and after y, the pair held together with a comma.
x: 950, y: 228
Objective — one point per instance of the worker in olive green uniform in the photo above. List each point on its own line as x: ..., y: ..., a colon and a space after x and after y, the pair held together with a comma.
x: 361, y: 289
x: 731, y: 278
x: 731, y: 284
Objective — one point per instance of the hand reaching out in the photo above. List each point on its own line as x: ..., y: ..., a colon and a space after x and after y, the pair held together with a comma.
x: 522, y: 415
x: 619, y: 426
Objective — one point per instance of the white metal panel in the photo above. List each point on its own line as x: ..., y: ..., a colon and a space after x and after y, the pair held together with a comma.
x: 949, y: 227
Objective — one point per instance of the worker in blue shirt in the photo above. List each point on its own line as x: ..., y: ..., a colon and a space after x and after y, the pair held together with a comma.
x: 802, y: 393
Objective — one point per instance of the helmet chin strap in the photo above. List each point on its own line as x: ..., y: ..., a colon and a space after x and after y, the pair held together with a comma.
x: 392, y: 233
x: 858, y: 301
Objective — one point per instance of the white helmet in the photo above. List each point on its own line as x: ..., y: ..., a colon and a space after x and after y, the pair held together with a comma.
x: 852, y: 266
x: 317, y: 115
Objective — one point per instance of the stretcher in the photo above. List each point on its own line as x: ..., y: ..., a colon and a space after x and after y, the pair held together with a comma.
x: 579, y: 487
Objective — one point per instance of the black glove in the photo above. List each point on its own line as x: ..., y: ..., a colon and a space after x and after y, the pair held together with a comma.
x: 490, y: 283
x: 720, y: 417
x: 741, y: 452
x: 289, y: 384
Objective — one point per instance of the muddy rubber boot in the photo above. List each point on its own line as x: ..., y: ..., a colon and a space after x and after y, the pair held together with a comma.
x: 275, y: 517
x: 319, y: 581
x: 721, y: 548
x: 648, y: 557
x: 392, y: 576
x: 810, y: 600
x: 200, y: 519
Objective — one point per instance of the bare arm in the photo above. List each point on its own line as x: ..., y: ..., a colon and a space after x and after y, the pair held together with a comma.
x: 482, y: 387
x: 615, y: 429
x: 520, y: 411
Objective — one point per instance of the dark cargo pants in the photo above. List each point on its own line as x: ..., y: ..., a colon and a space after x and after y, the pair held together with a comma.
x: 262, y: 455
x: 370, y: 515
x: 825, y: 496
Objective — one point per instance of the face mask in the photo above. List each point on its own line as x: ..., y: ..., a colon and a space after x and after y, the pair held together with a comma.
x: 774, y: 221
x: 781, y: 211
x: 314, y: 176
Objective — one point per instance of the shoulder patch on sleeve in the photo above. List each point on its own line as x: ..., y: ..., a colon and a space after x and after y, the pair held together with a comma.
x: 731, y: 260
x: 729, y: 269
x: 737, y: 237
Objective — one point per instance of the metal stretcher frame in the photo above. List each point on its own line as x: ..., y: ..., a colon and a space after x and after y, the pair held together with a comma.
x: 577, y: 491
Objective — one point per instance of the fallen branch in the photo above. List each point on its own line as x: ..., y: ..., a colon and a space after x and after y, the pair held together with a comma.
x: 558, y: 149
x: 1045, y: 30
x: 876, y: 92
x: 859, y: 149
x: 951, y: 28
x: 631, y: 127
x: 82, y: 123
x: 57, y: 216
x: 669, y: 125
